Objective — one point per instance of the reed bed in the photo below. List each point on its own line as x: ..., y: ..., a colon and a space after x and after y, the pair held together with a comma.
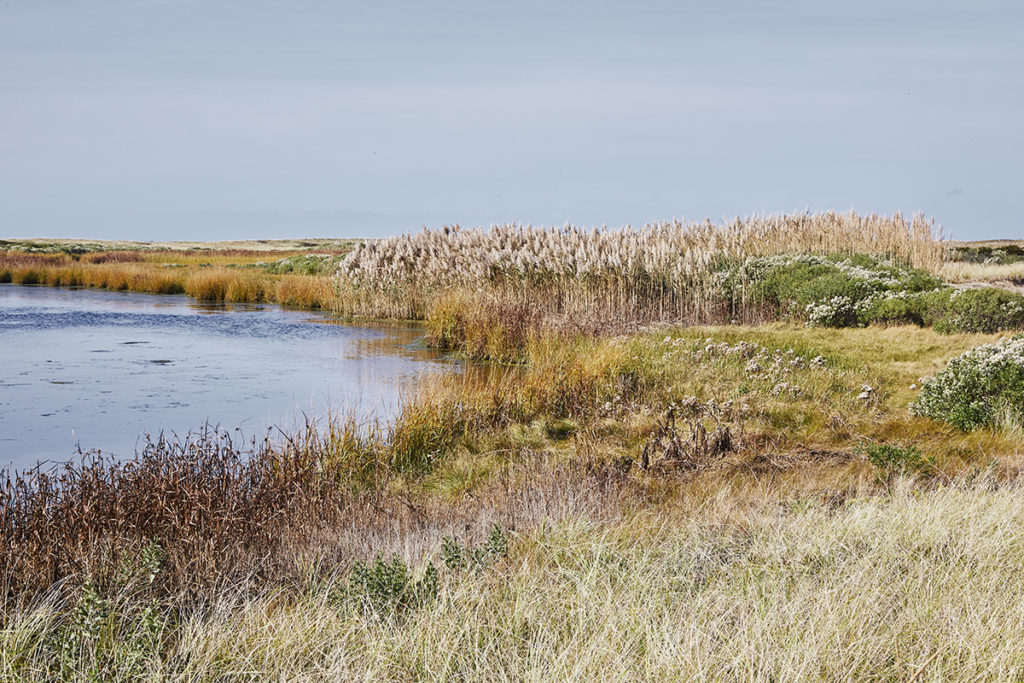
x: 148, y: 273
x: 216, y: 507
x: 662, y: 271
x: 245, y: 517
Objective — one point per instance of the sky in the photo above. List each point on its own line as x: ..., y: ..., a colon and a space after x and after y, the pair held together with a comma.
x: 212, y: 119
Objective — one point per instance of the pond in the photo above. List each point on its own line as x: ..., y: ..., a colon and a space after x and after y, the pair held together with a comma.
x: 93, y: 369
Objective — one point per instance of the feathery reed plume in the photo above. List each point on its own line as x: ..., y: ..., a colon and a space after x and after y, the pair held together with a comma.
x: 662, y: 271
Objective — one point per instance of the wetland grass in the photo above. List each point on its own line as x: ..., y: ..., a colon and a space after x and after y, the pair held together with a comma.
x: 233, y: 276
x: 627, y: 498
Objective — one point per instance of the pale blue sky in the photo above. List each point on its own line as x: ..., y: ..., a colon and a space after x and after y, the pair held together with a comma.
x: 201, y: 119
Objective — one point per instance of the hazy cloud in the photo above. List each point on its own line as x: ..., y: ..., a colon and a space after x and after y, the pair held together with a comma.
x: 259, y: 118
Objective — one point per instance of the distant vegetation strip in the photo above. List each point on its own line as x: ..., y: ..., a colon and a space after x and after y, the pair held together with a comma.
x: 231, y: 276
x: 483, y: 292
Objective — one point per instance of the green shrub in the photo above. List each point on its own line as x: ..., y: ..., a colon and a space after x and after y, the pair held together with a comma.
x: 387, y: 588
x: 110, y: 638
x: 980, y: 387
x: 1011, y: 253
x: 982, y: 310
x: 457, y: 557
x: 890, y: 460
x: 901, y: 308
x: 831, y: 291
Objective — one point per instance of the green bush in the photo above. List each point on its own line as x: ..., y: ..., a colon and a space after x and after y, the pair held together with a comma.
x: 982, y: 310
x: 1011, y: 253
x: 834, y: 291
x: 387, y: 588
x: 980, y: 387
x: 889, y: 459
x: 108, y: 635
x: 457, y: 556
x: 916, y: 308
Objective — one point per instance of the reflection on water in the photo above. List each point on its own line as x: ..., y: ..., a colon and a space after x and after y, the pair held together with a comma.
x: 97, y: 368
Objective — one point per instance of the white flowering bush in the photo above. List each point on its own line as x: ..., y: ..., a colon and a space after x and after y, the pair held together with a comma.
x: 827, y: 291
x: 978, y: 388
x: 982, y: 310
x: 838, y: 311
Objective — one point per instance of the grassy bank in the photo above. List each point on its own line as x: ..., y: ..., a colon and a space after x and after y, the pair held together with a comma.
x: 640, y: 507
x: 784, y: 448
x: 907, y: 586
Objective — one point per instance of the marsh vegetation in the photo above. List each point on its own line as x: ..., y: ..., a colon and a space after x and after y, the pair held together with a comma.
x: 716, y: 452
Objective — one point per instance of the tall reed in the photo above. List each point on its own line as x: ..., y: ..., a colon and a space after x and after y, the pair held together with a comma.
x: 660, y: 271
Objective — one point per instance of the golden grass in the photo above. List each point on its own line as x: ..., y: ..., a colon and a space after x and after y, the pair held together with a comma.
x: 914, y: 585
x: 305, y: 291
x: 206, y: 276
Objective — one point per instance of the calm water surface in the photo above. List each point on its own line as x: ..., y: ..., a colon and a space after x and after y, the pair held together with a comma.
x: 96, y: 369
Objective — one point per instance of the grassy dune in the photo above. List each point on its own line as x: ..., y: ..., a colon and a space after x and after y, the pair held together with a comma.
x: 910, y: 586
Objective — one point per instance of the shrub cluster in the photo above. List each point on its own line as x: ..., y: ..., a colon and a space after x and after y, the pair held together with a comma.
x: 388, y: 589
x: 830, y: 291
x: 1010, y: 253
x: 891, y: 460
x: 984, y: 386
x: 837, y: 291
x: 308, y: 264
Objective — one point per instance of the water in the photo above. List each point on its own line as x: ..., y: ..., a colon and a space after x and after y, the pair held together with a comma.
x: 96, y: 369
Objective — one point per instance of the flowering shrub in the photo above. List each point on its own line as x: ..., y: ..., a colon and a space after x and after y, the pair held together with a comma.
x: 839, y: 311
x: 829, y: 291
x: 980, y: 387
x: 982, y: 310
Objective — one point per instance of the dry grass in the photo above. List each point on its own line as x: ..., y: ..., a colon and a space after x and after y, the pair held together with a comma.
x: 914, y: 585
x: 206, y: 276
x: 665, y: 271
x: 962, y: 272
x: 782, y: 556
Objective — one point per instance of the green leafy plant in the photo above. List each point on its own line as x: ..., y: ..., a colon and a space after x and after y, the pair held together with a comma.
x: 980, y: 387
x: 387, y: 588
x: 890, y: 459
x: 982, y: 310
x: 457, y: 556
